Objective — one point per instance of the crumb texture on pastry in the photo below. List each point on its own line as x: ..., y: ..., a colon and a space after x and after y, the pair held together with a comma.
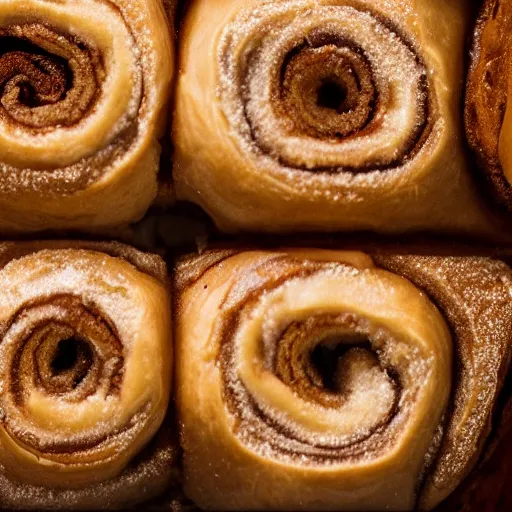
x: 337, y: 380
x: 324, y: 115
x: 85, y: 376
x: 84, y: 88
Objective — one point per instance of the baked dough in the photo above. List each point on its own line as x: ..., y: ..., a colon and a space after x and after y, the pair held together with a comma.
x: 324, y: 380
x: 85, y: 376
x: 84, y: 89
x: 325, y: 115
x: 488, y: 108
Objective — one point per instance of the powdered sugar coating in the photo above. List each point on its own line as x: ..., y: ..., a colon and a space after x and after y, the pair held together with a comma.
x: 150, y: 476
x: 474, y: 295
x: 282, y: 435
x: 92, y: 119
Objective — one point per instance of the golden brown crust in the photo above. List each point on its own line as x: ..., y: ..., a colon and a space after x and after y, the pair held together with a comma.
x: 145, y: 262
x: 193, y: 267
x: 80, y: 408
x: 269, y: 407
x: 487, y: 489
x: 470, y: 295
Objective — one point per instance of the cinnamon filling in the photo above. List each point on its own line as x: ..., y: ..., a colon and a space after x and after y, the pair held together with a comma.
x: 324, y: 362
x: 47, y: 79
x: 70, y: 364
x: 331, y: 94
x: 328, y: 91
x: 58, y: 347
x: 339, y: 365
x: 52, y: 80
x: 342, y: 373
x: 71, y: 353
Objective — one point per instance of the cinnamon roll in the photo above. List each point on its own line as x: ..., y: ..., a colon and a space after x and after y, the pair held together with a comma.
x: 335, y: 380
x: 84, y: 87
x: 488, y: 110
x: 85, y: 376
x: 297, y: 115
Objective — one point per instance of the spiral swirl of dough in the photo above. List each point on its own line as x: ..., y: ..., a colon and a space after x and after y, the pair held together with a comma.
x: 85, y: 366
x: 388, y: 375
x: 325, y: 115
x: 336, y: 88
x: 329, y: 376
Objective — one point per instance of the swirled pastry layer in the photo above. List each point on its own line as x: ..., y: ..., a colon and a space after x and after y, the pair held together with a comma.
x: 84, y: 86
x: 336, y: 380
x: 85, y: 373
x: 324, y: 115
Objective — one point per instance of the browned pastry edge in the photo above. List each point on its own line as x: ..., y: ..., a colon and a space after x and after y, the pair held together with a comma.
x: 489, y: 487
x: 455, y: 314
x: 486, y: 489
x: 146, y: 263
x: 144, y: 475
x: 486, y: 97
x: 193, y: 267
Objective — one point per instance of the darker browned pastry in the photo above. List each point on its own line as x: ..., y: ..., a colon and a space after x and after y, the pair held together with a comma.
x: 488, y: 115
x: 489, y: 487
